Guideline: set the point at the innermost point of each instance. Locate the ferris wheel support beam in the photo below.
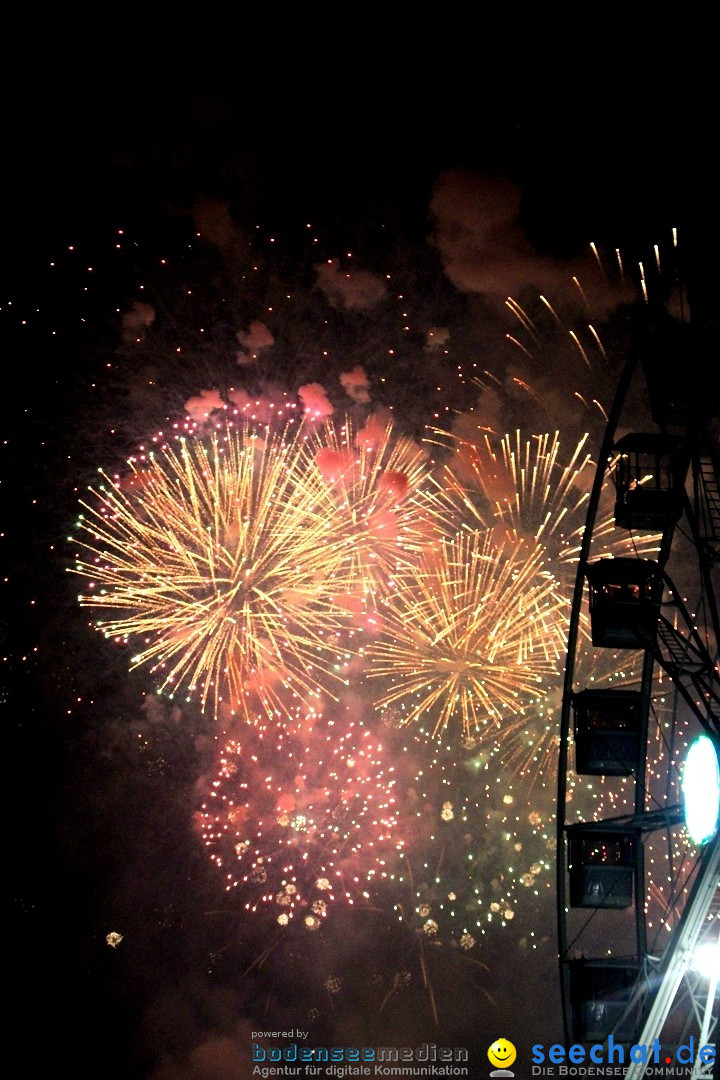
(707, 1023)
(679, 955)
(691, 669)
(573, 628)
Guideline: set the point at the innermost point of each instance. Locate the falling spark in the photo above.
(519, 345)
(584, 355)
(600, 345)
(580, 289)
(597, 259)
(643, 283)
(522, 315)
(552, 310)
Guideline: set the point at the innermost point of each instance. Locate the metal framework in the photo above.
(679, 659)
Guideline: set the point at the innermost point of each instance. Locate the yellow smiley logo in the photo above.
(502, 1053)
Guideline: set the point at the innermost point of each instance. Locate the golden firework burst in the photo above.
(220, 556)
(470, 635)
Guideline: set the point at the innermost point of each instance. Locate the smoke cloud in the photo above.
(356, 290)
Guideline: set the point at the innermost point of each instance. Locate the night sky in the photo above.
(147, 228)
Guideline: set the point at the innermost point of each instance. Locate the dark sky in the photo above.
(592, 164)
(103, 788)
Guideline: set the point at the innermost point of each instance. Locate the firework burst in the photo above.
(530, 493)
(478, 852)
(301, 815)
(530, 489)
(389, 507)
(219, 557)
(469, 636)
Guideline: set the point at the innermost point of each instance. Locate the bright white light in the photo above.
(706, 959)
(701, 790)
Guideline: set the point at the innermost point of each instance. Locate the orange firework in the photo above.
(470, 636)
(528, 488)
(220, 558)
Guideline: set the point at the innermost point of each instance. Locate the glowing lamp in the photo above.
(701, 790)
(706, 959)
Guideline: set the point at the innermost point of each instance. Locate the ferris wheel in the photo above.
(638, 842)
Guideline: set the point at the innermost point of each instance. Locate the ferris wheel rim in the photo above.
(641, 819)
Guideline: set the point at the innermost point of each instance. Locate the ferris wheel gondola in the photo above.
(637, 894)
